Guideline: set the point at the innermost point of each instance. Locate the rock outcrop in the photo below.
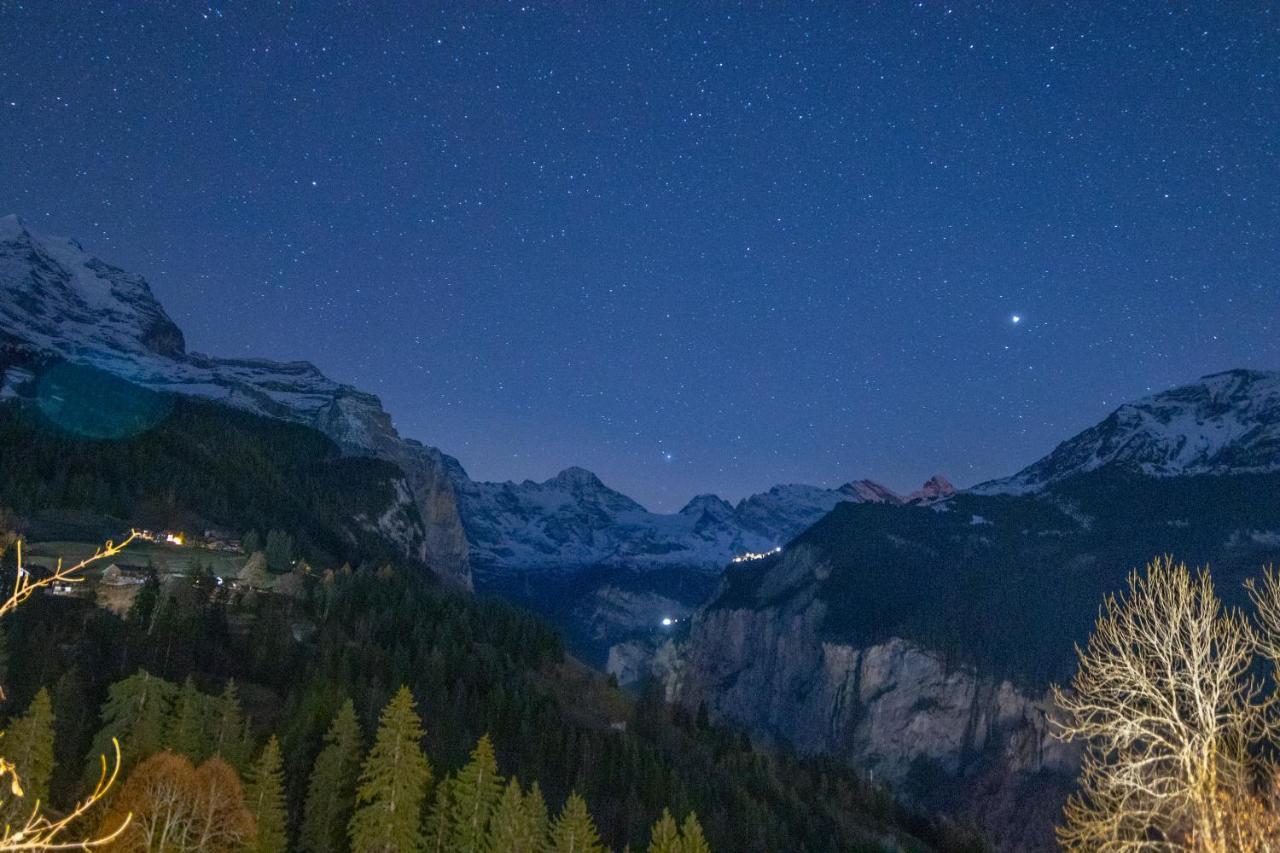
(940, 735)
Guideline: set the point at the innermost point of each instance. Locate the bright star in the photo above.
(1016, 319)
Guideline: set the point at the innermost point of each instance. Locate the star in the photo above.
(1015, 319)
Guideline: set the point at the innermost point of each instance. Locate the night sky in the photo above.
(698, 247)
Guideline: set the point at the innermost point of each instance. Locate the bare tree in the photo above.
(40, 830)
(1168, 715)
(179, 807)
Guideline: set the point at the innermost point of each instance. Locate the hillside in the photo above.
(94, 447)
(919, 642)
(101, 455)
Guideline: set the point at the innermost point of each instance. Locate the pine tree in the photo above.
(228, 740)
(186, 733)
(279, 551)
(574, 831)
(393, 783)
(144, 603)
(476, 792)
(134, 714)
(331, 789)
(29, 745)
(665, 837)
(535, 806)
(439, 826)
(265, 799)
(513, 829)
(691, 835)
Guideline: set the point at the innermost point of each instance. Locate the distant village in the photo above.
(212, 540)
(116, 585)
(756, 555)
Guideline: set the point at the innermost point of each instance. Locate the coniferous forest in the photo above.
(298, 719)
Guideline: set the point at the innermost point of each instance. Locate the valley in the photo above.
(910, 639)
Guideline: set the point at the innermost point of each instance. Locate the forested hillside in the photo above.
(99, 446)
(1009, 583)
(213, 686)
(477, 668)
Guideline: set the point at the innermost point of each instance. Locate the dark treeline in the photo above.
(200, 465)
(1010, 584)
(477, 667)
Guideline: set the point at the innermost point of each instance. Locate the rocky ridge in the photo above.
(57, 300)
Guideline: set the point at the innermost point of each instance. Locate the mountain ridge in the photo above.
(1224, 422)
(59, 300)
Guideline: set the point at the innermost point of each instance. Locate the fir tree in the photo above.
(332, 786)
(393, 783)
(186, 733)
(144, 603)
(512, 829)
(74, 718)
(476, 791)
(691, 835)
(439, 825)
(535, 806)
(29, 745)
(574, 831)
(265, 799)
(228, 740)
(134, 714)
(279, 551)
(665, 836)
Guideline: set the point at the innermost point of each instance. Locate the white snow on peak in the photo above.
(1224, 423)
(10, 226)
(57, 299)
(573, 521)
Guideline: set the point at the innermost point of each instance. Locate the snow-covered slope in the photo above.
(1226, 423)
(57, 300)
(573, 520)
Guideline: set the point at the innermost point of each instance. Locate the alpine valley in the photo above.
(911, 638)
(629, 567)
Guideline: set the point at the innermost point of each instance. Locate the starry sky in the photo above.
(694, 247)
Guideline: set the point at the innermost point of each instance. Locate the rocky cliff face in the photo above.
(834, 646)
(942, 735)
(58, 301)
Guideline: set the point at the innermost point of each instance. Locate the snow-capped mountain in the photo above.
(574, 520)
(57, 300)
(1226, 423)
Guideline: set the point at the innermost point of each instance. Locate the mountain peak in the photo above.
(57, 296)
(575, 477)
(869, 491)
(12, 226)
(1223, 423)
(936, 488)
(707, 503)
